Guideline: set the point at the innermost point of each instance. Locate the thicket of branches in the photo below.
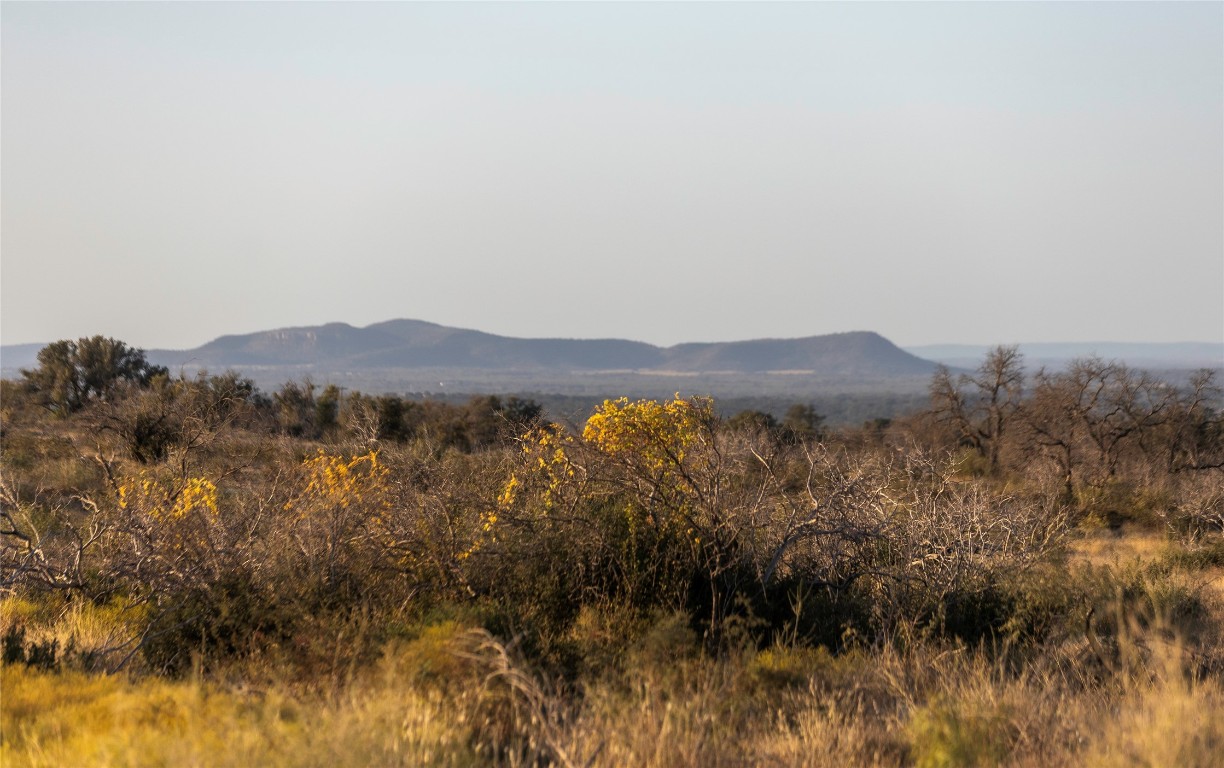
(1097, 429)
(239, 519)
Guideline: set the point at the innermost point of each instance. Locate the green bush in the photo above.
(229, 619)
(948, 733)
(1198, 557)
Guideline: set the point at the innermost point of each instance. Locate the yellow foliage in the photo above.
(658, 434)
(509, 493)
(644, 445)
(334, 481)
(646, 434)
(151, 495)
(198, 493)
(547, 467)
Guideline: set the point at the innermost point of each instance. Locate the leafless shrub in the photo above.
(910, 531)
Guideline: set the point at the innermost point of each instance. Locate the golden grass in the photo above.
(1213, 583)
(1105, 547)
(928, 706)
(73, 719)
(103, 634)
(1166, 717)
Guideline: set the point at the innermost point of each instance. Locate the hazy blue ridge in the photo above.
(414, 355)
(14, 356)
(416, 344)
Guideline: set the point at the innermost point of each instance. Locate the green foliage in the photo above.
(327, 409)
(38, 654)
(433, 659)
(802, 424)
(752, 421)
(71, 374)
(296, 409)
(1042, 602)
(231, 618)
(177, 415)
(1200, 556)
(956, 734)
(149, 424)
(393, 418)
(781, 667)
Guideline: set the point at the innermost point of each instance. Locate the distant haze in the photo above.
(1158, 356)
(936, 172)
(414, 355)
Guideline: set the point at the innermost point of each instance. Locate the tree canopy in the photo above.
(70, 374)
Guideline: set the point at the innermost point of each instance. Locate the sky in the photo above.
(666, 172)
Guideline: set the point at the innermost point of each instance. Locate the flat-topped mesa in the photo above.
(419, 344)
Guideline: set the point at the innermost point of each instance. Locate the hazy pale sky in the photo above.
(961, 172)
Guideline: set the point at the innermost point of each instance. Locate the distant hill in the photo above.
(414, 344)
(413, 355)
(851, 376)
(860, 353)
(15, 356)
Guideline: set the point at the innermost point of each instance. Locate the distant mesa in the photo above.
(418, 344)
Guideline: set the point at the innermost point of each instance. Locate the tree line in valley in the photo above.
(151, 409)
(1081, 423)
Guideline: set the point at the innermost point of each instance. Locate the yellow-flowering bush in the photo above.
(654, 452)
(547, 467)
(628, 499)
(340, 507)
(653, 434)
(645, 446)
(176, 521)
(166, 502)
(334, 481)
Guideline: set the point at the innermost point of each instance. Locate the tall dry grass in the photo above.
(458, 696)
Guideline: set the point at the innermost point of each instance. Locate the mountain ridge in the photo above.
(410, 344)
(406, 343)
